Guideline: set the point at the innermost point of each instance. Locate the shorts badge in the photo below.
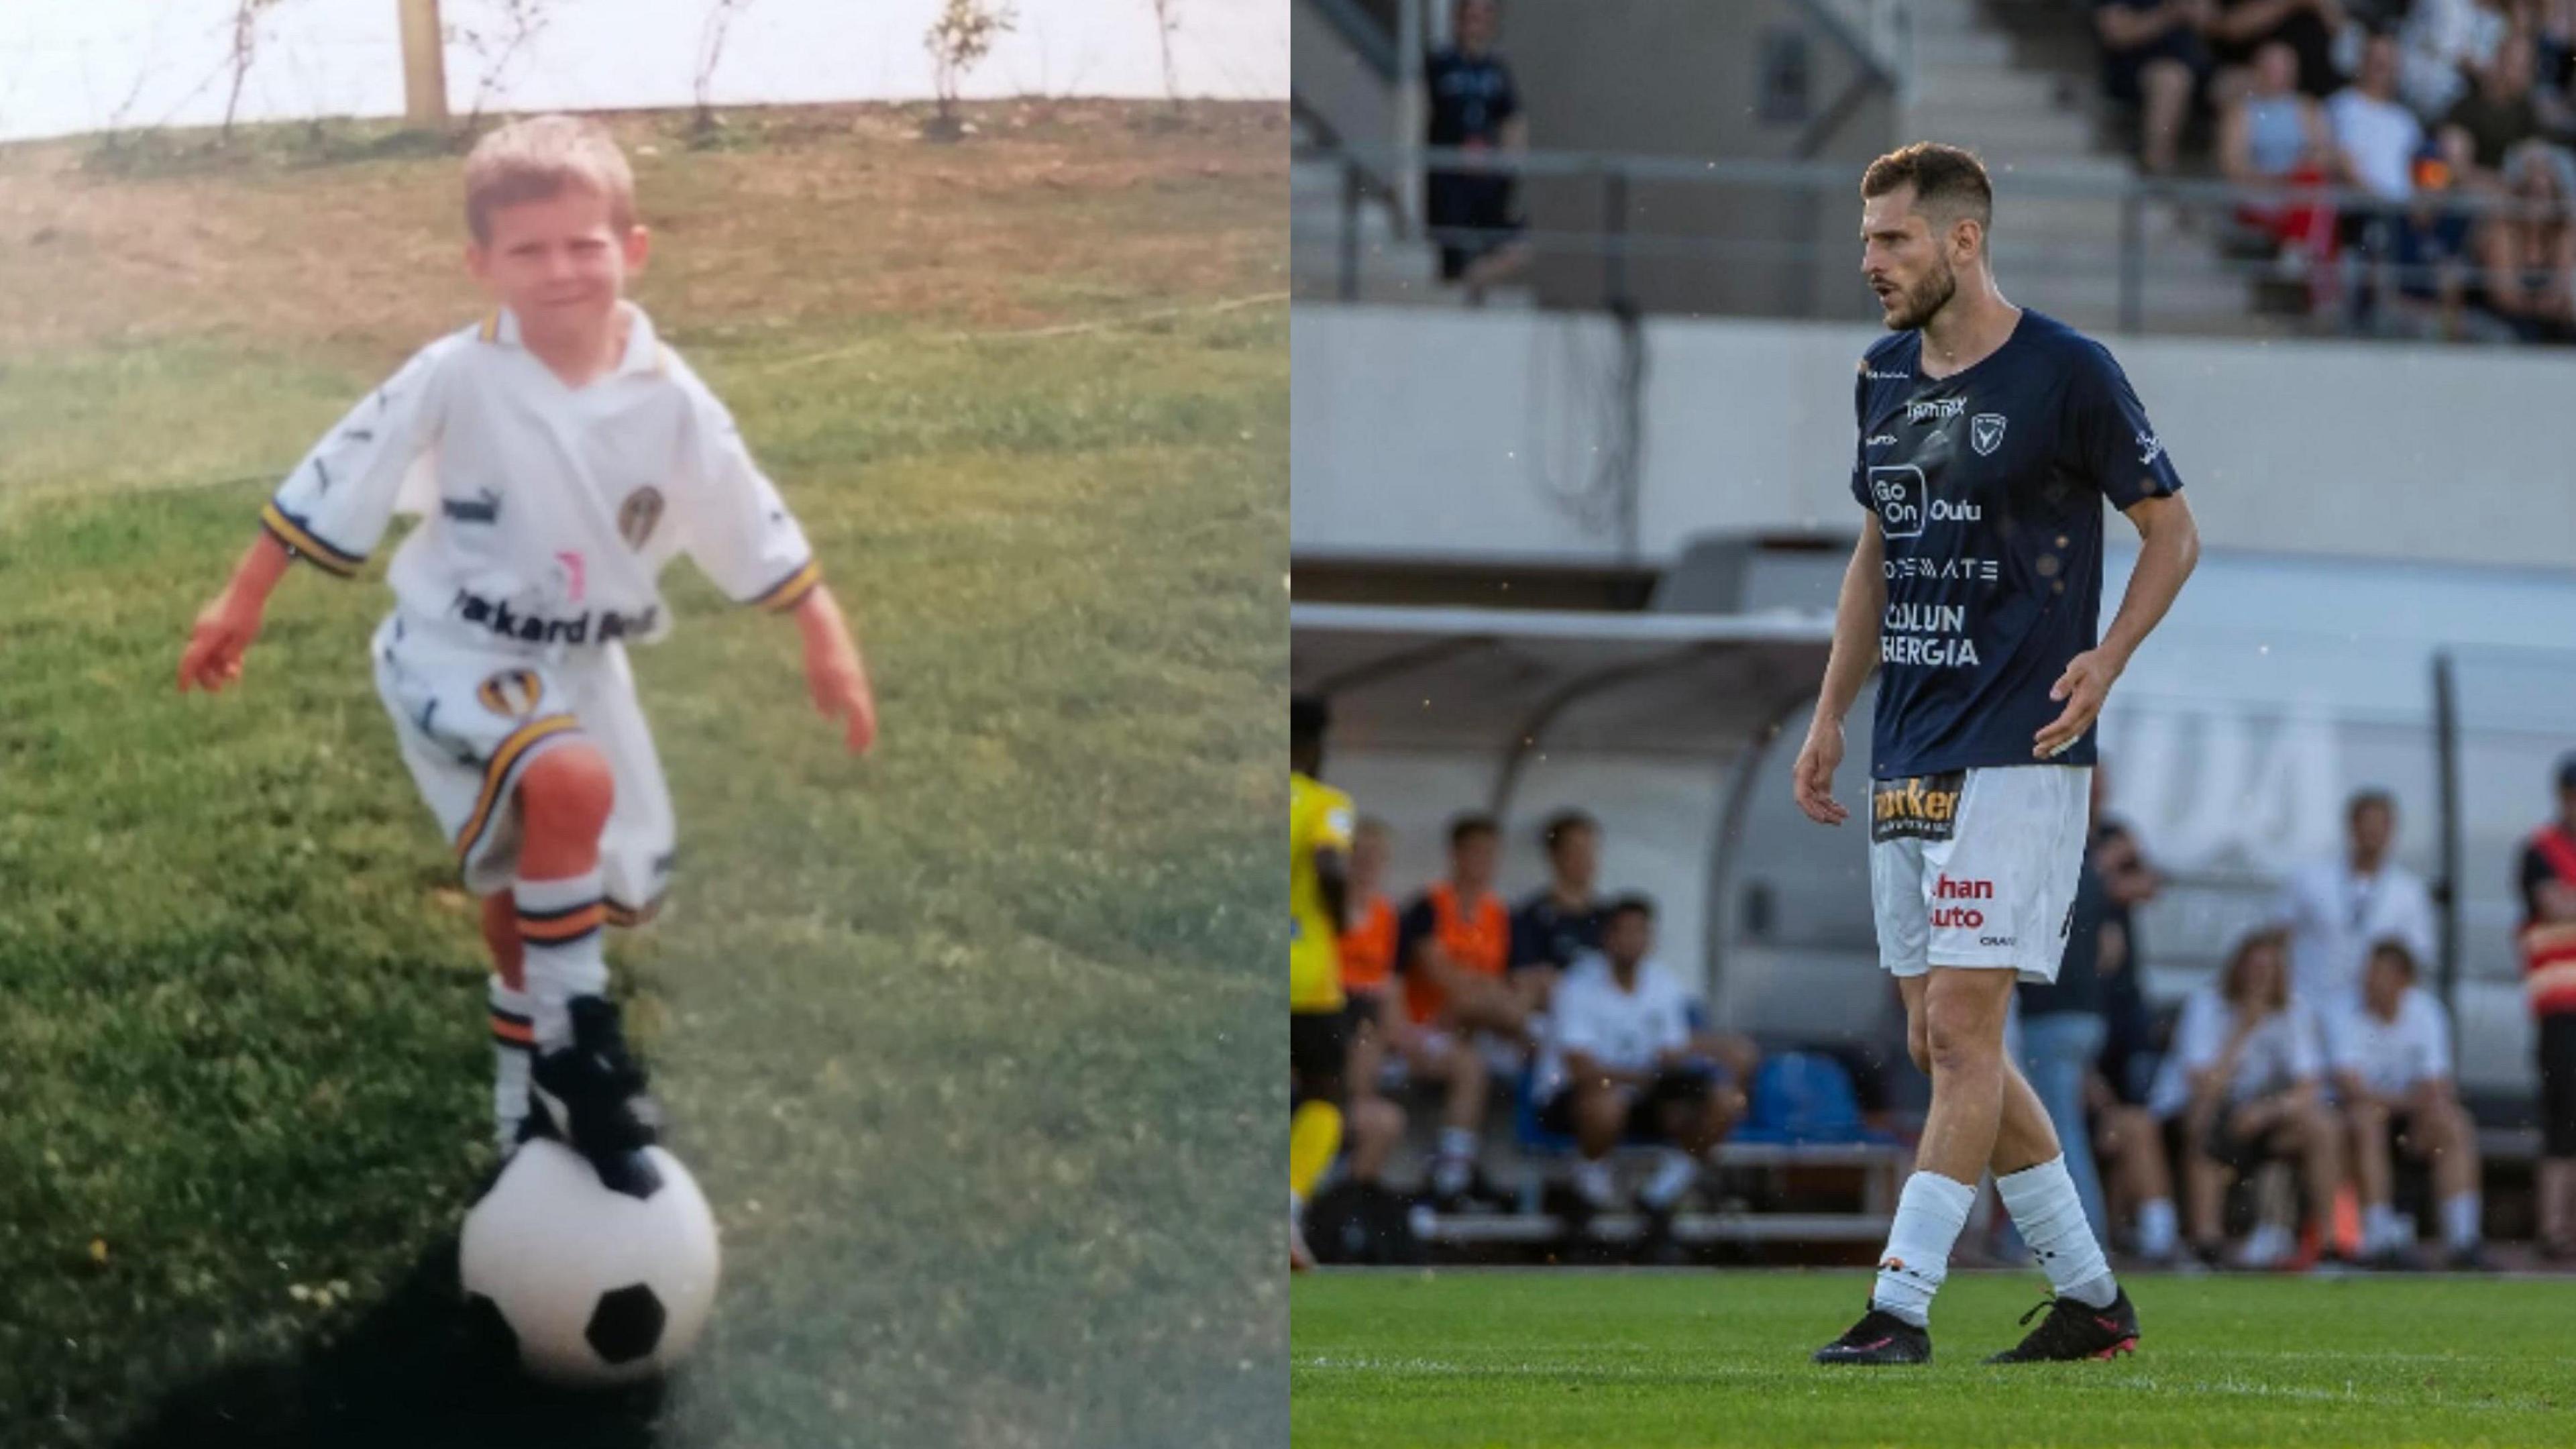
(512, 693)
(1918, 807)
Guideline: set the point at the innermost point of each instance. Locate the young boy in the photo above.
(559, 457)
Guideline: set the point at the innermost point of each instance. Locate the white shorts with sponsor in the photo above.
(470, 719)
(1978, 867)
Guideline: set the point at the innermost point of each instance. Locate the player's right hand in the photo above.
(216, 643)
(1814, 773)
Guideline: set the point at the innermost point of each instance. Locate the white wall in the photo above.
(81, 65)
(1418, 431)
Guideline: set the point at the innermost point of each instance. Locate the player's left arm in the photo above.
(834, 673)
(740, 532)
(2116, 444)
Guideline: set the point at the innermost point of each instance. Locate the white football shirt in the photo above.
(549, 511)
(2282, 1052)
(2334, 917)
(2390, 1057)
(1622, 1030)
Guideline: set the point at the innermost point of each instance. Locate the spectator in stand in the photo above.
(2549, 986)
(2241, 28)
(2378, 143)
(1474, 215)
(2334, 909)
(1452, 946)
(2444, 42)
(2249, 1063)
(2497, 114)
(1375, 1125)
(2527, 255)
(2392, 1076)
(2274, 137)
(2552, 24)
(1629, 1058)
(1558, 925)
(2153, 59)
(2128, 1142)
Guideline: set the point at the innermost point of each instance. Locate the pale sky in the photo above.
(73, 65)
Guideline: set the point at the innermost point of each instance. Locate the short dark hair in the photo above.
(1308, 718)
(2567, 772)
(1632, 904)
(1947, 180)
(1466, 827)
(1562, 824)
(2364, 799)
(2396, 950)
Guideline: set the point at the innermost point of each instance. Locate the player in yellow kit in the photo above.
(1319, 843)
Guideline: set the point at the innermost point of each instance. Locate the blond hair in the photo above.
(536, 159)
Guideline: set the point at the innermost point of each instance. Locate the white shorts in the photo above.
(471, 719)
(1978, 867)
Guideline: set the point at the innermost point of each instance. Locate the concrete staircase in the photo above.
(2022, 95)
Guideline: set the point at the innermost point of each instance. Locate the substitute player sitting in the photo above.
(2391, 1059)
(559, 457)
(1990, 437)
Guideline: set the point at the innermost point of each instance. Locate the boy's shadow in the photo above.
(419, 1371)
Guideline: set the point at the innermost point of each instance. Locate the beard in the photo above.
(1917, 304)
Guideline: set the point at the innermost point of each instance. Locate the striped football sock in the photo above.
(560, 923)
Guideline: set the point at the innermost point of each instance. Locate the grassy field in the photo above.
(1610, 1361)
(972, 1044)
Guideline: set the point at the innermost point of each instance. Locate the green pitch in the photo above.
(939, 1031)
(1679, 1361)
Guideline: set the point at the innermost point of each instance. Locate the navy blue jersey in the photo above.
(1988, 486)
(1471, 97)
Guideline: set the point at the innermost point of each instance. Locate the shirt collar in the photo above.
(643, 346)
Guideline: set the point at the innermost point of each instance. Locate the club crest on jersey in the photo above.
(1986, 433)
(1918, 807)
(638, 515)
(512, 693)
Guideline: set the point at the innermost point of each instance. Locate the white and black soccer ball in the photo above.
(594, 1286)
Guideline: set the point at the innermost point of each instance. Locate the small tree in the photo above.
(711, 40)
(960, 38)
(243, 54)
(1167, 22)
(495, 45)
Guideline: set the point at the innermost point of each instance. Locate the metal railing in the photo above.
(2360, 259)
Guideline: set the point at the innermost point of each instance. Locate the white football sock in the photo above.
(1455, 1166)
(1673, 1178)
(2461, 1214)
(2266, 1246)
(2044, 1206)
(512, 1037)
(560, 924)
(2157, 1229)
(1592, 1182)
(1929, 1214)
(2380, 1230)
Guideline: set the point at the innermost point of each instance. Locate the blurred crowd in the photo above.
(2453, 118)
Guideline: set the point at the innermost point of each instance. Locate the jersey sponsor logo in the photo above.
(512, 693)
(1933, 635)
(1978, 570)
(1944, 408)
(484, 508)
(501, 619)
(1957, 918)
(1897, 491)
(1882, 440)
(576, 577)
(1918, 807)
(1986, 433)
(1874, 375)
(1951, 888)
(637, 516)
(1997, 941)
(2149, 449)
